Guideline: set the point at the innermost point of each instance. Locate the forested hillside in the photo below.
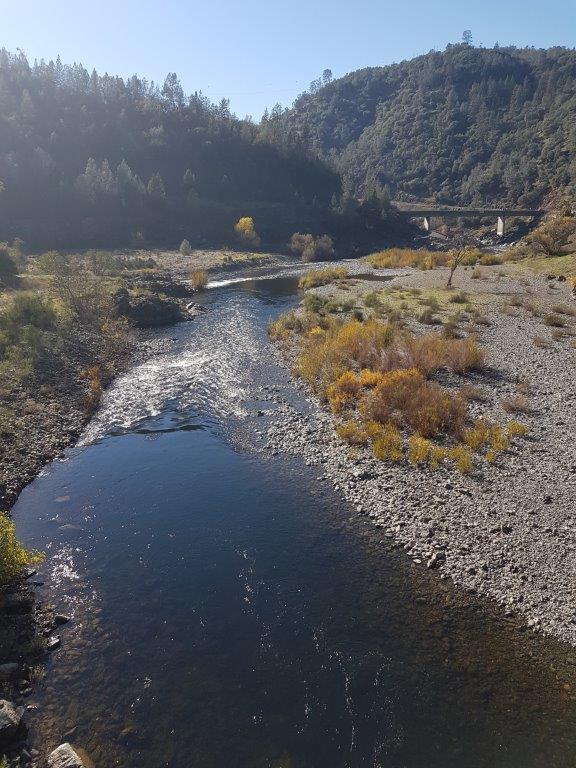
(467, 125)
(88, 159)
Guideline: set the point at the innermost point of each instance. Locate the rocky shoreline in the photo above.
(509, 531)
(29, 628)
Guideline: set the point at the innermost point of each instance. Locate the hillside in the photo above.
(88, 159)
(463, 126)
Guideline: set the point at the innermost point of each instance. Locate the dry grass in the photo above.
(318, 277)
(199, 280)
(555, 321)
(540, 341)
(398, 258)
(515, 404)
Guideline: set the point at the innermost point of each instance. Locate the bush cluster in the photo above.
(14, 557)
(378, 377)
(311, 248)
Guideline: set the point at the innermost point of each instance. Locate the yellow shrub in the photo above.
(499, 440)
(343, 392)
(370, 378)
(477, 436)
(352, 432)
(388, 446)
(343, 346)
(13, 556)
(462, 458)
(516, 429)
(418, 449)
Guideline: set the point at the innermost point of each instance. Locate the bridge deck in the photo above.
(476, 212)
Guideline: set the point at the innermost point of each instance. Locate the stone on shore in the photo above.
(10, 720)
(65, 756)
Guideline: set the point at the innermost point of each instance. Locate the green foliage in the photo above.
(14, 557)
(464, 126)
(8, 266)
(66, 137)
(185, 248)
(311, 248)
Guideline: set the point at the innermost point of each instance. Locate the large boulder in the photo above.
(10, 720)
(65, 756)
(148, 310)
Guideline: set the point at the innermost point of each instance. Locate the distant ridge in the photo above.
(466, 126)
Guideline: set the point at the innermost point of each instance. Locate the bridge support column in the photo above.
(501, 226)
(428, 223)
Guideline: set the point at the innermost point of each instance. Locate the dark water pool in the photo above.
(230, 610)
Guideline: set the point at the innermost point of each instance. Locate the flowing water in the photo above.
(228, 607)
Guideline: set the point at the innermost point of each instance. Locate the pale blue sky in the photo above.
(257, 52)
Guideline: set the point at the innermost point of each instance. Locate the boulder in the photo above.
(149, 310)
(10, 720)
(65, 756)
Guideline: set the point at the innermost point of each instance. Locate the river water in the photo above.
(230, 609)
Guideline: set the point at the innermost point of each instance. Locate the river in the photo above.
(230, 609)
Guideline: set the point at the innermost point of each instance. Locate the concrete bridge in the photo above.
(500, 214)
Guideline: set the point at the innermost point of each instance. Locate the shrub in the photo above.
(564, 309)
(490, 260)
(8, 266)
(14, 557)
(352, 432)
(322, 277)
(553, 236)
(427, 317)
(398, 258)
(388, 446)
(199, 280)
(472, 392)
(245, 232)
(404, 396)
(52, 263)
(343, 392)
(462, 458)
(515, 404)
(311, 248)
(459, 298)
(30, 309)
(343, 346)
(555, 321)
(540, 341)
(516, 429)
(464, 355)
(422, 451)
(185, 248)
(92, 377)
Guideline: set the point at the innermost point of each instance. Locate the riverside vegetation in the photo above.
(456, 442)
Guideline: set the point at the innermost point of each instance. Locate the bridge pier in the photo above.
(428, 223)
(501, 226)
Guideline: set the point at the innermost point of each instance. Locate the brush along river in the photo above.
(229, 608)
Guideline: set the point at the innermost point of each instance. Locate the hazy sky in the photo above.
(258, 52)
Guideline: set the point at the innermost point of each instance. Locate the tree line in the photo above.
(465, 126)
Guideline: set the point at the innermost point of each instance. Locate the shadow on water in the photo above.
(229, 609)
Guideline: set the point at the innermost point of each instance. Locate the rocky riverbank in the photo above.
(506, 530)
(48, 411)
